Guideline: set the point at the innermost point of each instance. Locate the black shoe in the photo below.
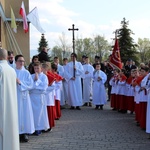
(90, 104)
(21, 137)
(131, 112)
(25, 138)
(101, 107)
(37, 132)
(72, 107)
(78, 108)
(85, 104)
(97, 107)
(48, 130)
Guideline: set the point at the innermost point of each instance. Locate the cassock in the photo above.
(74, 86)
(9, 133)
(50, 93)
(113, 84)
(143, 102)
(121, 92)
(130, 94)
(25, 112)
(39, 104)
(58, 88)
(87, 82)
(137, 97)
(99, 91)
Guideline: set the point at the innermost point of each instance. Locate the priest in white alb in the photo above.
(9, 133)
(74, 82)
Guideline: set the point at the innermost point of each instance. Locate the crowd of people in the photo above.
(131, 92)
(44, 88)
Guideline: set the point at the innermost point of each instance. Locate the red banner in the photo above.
(115, 57)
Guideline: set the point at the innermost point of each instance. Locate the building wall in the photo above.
(21, 38)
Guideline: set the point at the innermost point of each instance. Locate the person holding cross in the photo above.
(73, 73)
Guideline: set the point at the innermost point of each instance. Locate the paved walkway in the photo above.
(90, 129)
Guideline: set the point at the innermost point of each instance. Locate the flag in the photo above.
(115, 57)
(22, 12)
(13, 21)
(33, 17)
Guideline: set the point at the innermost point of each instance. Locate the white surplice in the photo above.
(39, 103)
(58, 89)
(9, 133)
(50, 93)
(87, 82)
(74, 86)
(25, 112)
(99, 91)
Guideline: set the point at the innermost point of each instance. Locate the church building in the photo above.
(18, 42)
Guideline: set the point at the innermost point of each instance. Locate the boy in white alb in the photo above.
(38, 100)
(50, 95)
(120, 92)
(113, 82)
(99, 92)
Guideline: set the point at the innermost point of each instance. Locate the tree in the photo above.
(92, 46)
(101, 46)
(42, 43)
(84, 47)
(63, 44)
(57, 51)
(126, 43)
(144, 49)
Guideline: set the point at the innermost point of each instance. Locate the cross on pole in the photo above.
(73, 39)
(73, 42)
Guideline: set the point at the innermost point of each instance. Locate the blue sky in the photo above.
(92, 17)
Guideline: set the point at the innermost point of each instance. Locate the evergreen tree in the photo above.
(42, 43)
(126, 43)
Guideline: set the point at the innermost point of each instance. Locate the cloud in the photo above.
(55, 19)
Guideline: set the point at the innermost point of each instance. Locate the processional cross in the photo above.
(73, 42)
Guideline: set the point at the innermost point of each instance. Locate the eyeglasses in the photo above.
(20, 61)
